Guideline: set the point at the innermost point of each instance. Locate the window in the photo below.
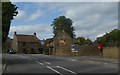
(32, 50)
(24, 50)
(32, 44)
(24, 44)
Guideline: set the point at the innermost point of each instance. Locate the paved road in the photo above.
(44, 64)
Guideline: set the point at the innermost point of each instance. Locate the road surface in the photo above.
(36, 64)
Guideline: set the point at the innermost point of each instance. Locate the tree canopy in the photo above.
(111, 38)
(63, 23)
(88, 41)
(9, 10)
(82, 41)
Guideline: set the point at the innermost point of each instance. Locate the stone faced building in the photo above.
(49, 45)
(48, 41)
(26, 43)
(62, 44)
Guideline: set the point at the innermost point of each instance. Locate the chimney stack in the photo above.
(15, 33)
(35, 34)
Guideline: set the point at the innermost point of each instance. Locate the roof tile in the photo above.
(27, 38)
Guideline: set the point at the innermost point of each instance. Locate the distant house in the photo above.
(26, 43)
(49, 45)
(62, 43)
(48, 42)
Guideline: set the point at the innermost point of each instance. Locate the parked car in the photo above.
(11, 51)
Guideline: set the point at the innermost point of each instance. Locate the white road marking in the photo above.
(47, 62)
(66, 70)
(73, 60)
(54, 70)
(39, 62)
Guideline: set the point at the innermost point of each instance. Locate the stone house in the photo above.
(49, 45)
(62, 44)
(48, 41)
(26, 43)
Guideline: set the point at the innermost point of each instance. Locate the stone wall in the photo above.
(111, 52)
(63, 49)
(28, 47)
(83, 50)
(86, 50)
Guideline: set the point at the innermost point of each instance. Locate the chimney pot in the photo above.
(35, 34)
(15, 32)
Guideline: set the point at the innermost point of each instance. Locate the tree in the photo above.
(9, 10)
(88, 41)
(80, 40)
(63, 23)
(83, 41)
(111, 38)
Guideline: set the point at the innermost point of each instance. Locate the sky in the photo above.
(90, 19)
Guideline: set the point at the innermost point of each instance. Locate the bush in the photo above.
(46, 50)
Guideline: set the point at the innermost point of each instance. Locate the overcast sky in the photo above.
(90, 19)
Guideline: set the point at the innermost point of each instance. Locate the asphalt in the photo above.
(99, 59)
(49, 64)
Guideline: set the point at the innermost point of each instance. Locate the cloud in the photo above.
(100, 35)
(90, 19)
(27, 13)
(21, 15)
(93, 19)
(35, 15)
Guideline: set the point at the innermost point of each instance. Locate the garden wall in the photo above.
(111, 52)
